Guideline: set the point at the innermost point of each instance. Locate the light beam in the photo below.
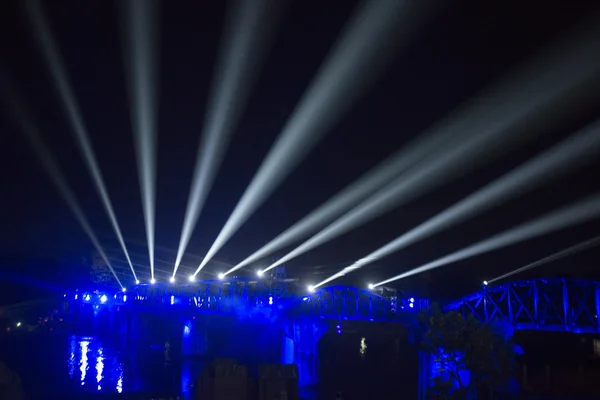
(561, 159)
(579, 212)
(578, 248)
(247, 38)
(24, 120)
(346, 74)
(60, 79)
(498, 120)
(141, 26)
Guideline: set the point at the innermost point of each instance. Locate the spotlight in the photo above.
(260, 272)
(172, 280)
(371, 286)
(85, 297)
(192, 278)
(153, 281)
(485, 283)
(311, 288)
(124, 290)
(221, 276)
(137, 281)
(412, 300)
(103, 299)
(18, 324)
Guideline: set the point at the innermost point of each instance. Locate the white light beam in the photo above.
(247, 37)
(559, 160)
(578, 248)
(60, 78)
(24, 120)
(346, 74)
(499, 117)
(580, 212)
(141, 25)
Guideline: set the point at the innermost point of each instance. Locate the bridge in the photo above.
(235, 297)
(565, 305)
(538, 304)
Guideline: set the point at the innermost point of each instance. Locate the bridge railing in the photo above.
(567, 305)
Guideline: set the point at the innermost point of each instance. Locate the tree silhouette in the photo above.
(471, 357)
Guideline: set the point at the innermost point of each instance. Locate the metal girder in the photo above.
(560, 305)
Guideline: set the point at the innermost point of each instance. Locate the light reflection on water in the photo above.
(84, 360)
(109, 369)
(98, 364)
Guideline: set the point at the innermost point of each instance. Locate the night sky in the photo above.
(461, 49)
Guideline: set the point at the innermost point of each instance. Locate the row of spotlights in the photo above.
(192, 278)
(221, 276)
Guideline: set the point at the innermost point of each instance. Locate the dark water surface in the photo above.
(63, 365)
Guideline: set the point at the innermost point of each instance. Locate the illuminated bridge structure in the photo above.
(235, 297)
(201, 311)
(196, 313)
(556, 305)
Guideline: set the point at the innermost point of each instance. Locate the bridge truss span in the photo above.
(351, 303)
(559, 305)
(246, 297)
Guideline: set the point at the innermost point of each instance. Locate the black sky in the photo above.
(466, 46)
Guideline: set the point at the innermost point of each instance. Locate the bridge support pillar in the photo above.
(301, 347)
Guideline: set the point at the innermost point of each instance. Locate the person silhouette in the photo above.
(338, 396)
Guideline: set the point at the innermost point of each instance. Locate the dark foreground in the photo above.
(60, 365)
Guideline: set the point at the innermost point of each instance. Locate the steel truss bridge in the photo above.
(559, 305)
(238, 296)
(539, 304)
